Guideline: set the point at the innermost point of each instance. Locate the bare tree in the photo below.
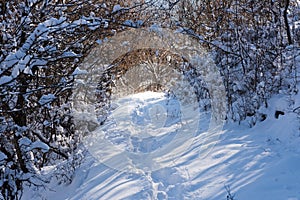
(42, 43)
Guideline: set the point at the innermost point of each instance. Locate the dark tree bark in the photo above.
(286, 21)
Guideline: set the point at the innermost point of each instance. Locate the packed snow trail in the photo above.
(258, 163)
(148, 131)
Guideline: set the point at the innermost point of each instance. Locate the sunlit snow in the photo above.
(258, 163)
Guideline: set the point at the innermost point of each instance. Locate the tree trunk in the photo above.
(286, 21)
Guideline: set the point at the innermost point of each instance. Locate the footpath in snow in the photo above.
(139, 154)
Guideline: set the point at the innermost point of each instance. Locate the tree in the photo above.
(248, 40)
(42, 43)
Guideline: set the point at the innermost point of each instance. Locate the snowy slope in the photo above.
(257, 163)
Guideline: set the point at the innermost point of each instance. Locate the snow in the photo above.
(26, 142)
(19, 60)
(39, 145)
(46, 98)
(262, 162)
(155, 28)
(69, 54)
(131, 23)
(2, 156)
(5, 79)
(78, 71)
(117, 8)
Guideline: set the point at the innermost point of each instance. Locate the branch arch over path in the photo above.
(177, 60)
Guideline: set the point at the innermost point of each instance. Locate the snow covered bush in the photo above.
(255, 45)
(250, 42)
(42, 42)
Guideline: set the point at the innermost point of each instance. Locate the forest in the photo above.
(255, 46)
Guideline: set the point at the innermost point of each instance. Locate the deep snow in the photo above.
(262, 162)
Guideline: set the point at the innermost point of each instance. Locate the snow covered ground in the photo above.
(262, 162)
